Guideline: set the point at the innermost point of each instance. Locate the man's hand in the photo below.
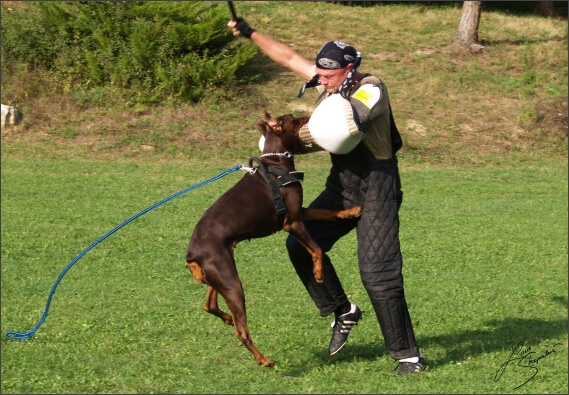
(240, 27)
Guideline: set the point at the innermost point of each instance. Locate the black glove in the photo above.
(244, 28)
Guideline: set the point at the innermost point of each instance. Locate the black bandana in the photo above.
(335, 55)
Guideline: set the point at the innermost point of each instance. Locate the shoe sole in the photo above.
(339, 348)
(342, 346)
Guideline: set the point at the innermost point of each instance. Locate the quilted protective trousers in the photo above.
(358, 178)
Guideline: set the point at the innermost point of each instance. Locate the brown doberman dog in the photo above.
(264, 201)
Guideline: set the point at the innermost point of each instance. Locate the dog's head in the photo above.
(282, 132)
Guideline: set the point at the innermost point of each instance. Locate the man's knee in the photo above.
(383, 284)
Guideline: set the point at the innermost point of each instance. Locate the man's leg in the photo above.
(380, 262)
(330, 295)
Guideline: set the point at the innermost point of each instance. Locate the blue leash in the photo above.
(12, 335)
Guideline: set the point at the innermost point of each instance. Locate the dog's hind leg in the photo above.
(221, 276)
(212, 307)
(235, 299)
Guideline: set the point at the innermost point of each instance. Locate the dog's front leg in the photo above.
(300, 233)
(317, 214)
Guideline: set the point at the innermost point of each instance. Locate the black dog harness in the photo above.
(284, 178)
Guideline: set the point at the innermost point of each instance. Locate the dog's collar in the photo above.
(286, 154)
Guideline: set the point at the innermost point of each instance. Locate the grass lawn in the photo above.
(485, 269)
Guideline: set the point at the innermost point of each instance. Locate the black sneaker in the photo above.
(342, 326)
(407, 368)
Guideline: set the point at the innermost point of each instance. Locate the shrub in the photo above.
(148, 51)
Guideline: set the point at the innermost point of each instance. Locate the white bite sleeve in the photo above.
(332, 126)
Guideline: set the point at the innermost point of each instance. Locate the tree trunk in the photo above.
(467, 32)
(546, 8)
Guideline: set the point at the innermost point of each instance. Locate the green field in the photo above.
(485, 267)
(483, 223)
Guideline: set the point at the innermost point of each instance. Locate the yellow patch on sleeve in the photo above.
(368, 94)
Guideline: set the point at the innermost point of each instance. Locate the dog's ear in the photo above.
(262, 125)
(273, 122)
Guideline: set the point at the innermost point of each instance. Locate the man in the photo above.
(364, 172)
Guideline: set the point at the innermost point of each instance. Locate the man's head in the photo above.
(336, 65)
(335, 62)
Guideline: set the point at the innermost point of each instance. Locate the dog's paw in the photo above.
(269, 363)
(353, 212)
